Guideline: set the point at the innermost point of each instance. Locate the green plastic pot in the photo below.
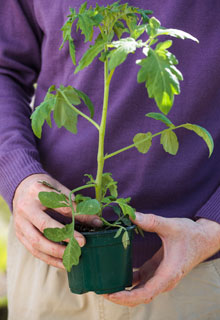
(105, 266)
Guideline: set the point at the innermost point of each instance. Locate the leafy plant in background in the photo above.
(122, 30)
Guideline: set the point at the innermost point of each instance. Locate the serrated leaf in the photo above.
(63, 115)
(125, 208)
(53, 200)
(42, 113)
(90, 54)
(123, 48)
(203, 133)
(59, 234)
(125, 239)
(89, 207)
(79, 198)
(87, 101)
(161, 77)
(85, 23)
(143, 142)
(159, 116)
(91, 179)
(154, 29)
(67, 27)
(119, 29)
(138, 31)
(83, 7)
(109, 183)
(71, 254)
(118, 233)
(170, 142)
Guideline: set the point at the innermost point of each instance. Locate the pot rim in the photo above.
(91, 234)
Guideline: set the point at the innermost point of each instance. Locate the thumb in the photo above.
(90, 220)
(153, 223)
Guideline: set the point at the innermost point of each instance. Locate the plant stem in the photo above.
(82, 187)
(134, 145)
(78, 111)
(100, 157)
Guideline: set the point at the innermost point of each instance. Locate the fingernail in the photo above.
(97, 223)
(81, 241)
(139, 217)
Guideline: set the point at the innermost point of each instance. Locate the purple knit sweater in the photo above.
(186, 185)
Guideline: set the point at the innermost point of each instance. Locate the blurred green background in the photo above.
(4, 222)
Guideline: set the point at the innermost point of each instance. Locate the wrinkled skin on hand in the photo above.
(30, 220)
(185, 244)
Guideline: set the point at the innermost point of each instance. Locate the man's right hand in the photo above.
(30, 220)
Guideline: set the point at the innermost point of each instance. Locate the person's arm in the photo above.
(185, 244)
(20, 63)
(20, 167)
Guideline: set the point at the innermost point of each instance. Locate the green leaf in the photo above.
(91, 179)
(203, 133)
(79, 198)
(90, 54)
(86, 100)
(161, 77)
(72, 50)
(154, 29)
(47, 184)
(83, 7)
(88, 207)
(67, 27)
(123, 48)
(125, 239)
(126, 209)
(63, 115)
(119, 29)
(145, 14)
(138, 31)
(160, 117)
(108, 183)
(143, 141)
(43, 112)
(59, 234)
(170, 142)
(85, 23)
(53, 200)
(71, 254)
(118, 233)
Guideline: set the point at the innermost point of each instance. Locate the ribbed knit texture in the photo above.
(186, 185)
(20, 164)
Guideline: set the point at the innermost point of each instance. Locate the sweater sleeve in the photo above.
(20, 61)
(211, 209)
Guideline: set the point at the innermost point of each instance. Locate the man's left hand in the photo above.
(185, 244)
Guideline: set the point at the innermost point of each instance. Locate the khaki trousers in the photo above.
(37, 291)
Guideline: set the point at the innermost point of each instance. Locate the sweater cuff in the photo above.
(14, 167)
(211, 209)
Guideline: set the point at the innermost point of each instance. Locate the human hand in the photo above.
(185, 244)
(30, 220)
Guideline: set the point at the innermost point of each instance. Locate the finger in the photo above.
(39, 243)
(55, 262)
(42, 221)
(148, 269)
(90, 220)
(136, 278)
(153, 223)
(129, 298)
